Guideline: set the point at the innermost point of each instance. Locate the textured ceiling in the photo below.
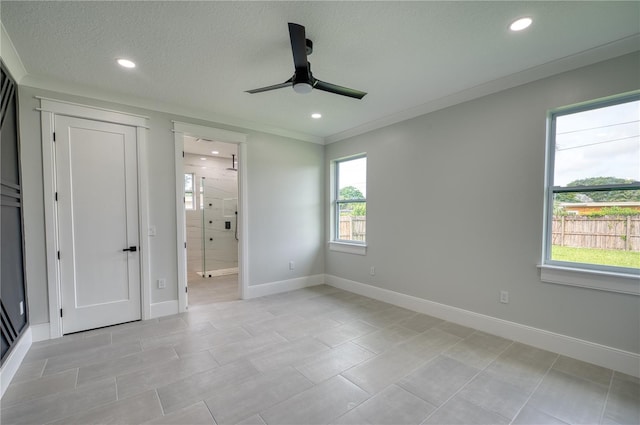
(204, 55)
(207, 147)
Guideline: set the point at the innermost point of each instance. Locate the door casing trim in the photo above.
(49, 108)
(240, 139)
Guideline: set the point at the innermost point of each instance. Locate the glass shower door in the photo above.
(219, 205)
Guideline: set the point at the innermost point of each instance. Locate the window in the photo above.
(202, 193)
(593, 187)
(350, 211)
(189, 202)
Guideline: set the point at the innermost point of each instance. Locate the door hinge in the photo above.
(186, 289)
(54, 136)
(185, 244)
(58, 255)
(183, 154)
(60, 312)
(56, 196)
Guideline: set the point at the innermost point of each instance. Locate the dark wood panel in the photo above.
(13, 294)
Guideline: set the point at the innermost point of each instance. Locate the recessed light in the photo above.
(215, 152)
(203, 159)
(316, 116)
(520, 24)
(125, 63)
(204, 168)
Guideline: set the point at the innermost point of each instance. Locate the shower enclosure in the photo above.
(219, 209)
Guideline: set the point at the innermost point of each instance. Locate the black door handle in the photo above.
(131, 248)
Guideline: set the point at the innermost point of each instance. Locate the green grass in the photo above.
(609, 257)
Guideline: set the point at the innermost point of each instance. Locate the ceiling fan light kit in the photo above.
(303, 80)
(302, 88)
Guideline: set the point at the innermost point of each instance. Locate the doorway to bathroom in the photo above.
(209, 136)
(211, 220)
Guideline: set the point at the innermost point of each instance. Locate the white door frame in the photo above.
(49, 108)
(181, 129)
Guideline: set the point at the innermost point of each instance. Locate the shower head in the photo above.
(233, 163)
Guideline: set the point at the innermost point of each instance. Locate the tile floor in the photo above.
(312, 356)
(209, 290)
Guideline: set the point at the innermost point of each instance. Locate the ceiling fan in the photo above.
(303, 80)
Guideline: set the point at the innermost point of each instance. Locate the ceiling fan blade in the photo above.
(287, 83)
(298, 45)
(333, 88)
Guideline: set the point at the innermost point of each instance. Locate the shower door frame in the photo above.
(181, 129)
(202, 195)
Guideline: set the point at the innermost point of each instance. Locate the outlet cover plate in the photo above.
(504, 297)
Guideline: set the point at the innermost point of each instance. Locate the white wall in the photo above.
(469, 179)
(272, 194)
(286, 202)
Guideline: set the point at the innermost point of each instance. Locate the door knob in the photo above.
(131, 248)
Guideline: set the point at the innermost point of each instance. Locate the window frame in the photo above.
(201, 193)
(192, 192)
(595, 276)
(337, 244)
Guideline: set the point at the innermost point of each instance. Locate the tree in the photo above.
(359, 209)
(350, 192)
(615, 210)
(356, 208)
(607, 196)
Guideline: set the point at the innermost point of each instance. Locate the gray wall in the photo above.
(469, 179)
(286, 202)
(285, 178)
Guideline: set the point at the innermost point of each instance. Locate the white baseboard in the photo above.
(14, 360)
(602, 355)
(166, 308)
(284, 286)
(41, 332)
(219, 272)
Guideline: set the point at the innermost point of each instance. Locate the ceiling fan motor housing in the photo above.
(303, 75)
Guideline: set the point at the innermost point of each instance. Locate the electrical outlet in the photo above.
(162, 283)
(21, 308)
(292, 265)
(504, 297)
(372, 271)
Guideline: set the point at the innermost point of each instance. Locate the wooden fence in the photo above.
(353, 228)
(609, 232)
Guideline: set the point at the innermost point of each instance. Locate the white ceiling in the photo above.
(202, 56)
(206, 147)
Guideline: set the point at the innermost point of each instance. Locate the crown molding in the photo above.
(45, 83)
(10, 56)
(588, 57)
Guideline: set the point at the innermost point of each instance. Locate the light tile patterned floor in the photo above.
(207, 290)
(312, 356)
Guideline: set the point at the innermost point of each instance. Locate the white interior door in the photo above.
(97, 190)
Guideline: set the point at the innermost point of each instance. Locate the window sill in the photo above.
(349, 248)
(595, 279)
